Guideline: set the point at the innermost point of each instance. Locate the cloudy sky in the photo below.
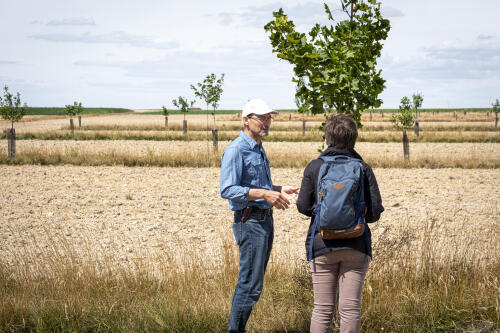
(142, 54)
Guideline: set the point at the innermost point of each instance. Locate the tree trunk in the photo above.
(496, 120)
(416, 129)
(289, 116)
(382, 112)
(456, 117)
(215, 139)
(11, 142)
(184, 126)
(370, 116)
(79, 121)
(71, 126)
(215, 126)
(303, 127)
(166, 122)
(406, 146)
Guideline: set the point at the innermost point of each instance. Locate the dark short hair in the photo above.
(341, 131)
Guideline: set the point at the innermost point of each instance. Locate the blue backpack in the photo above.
(340, 203)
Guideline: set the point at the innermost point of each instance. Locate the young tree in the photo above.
(164, 112)
(183, 105)
(73, 110)
(417, 98)
(496, 109)
(210, 91)
(403, 121)
(11, 109)
(337, 62)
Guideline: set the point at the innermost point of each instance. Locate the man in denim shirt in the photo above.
(246, 182)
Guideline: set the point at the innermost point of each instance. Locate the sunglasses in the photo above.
(262, 119)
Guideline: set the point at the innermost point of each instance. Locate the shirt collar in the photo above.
(251, 142)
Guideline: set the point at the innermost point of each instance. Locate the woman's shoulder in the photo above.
(314, 165)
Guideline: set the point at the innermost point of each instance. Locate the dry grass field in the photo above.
(90, 244)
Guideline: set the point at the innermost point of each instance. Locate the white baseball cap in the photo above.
(256, 106)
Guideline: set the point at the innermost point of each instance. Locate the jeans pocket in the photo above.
(237, 232)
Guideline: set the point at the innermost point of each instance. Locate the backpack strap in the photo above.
(317, 209)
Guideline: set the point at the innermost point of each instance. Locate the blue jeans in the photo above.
(255, 240)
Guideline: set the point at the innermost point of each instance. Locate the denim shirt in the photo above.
(244, 166)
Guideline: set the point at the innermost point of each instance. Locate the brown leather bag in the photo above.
(351, 232)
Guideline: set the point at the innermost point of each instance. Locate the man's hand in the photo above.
(291, 193)
(276, 199)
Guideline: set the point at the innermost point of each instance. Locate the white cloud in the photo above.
(485, 37)
(388, 12)
(72, 21)
(115, 37)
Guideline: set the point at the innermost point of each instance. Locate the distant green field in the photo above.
(171, 111)
(437, 110)
(428, 110)
(50, 111)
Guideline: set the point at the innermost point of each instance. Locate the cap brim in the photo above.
(261, 112)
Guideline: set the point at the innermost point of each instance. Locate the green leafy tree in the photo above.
(337, 63)
(183, 104)
(404, 121)
(73, 110)
(210, 91)
(11, 108)
(496, 108)
(418, 99)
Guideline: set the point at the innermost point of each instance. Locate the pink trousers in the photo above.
(342, 270)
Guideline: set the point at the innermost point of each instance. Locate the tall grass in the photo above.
(177, 155)
(419, 281)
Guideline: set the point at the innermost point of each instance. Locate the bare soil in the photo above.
(134, 215)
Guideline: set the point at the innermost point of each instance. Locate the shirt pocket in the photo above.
(255, 167)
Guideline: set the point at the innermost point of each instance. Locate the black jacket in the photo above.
(307, 200)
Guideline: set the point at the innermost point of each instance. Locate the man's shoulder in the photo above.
(236, 143)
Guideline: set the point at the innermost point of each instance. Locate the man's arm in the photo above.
(230, 177)
(274, 198)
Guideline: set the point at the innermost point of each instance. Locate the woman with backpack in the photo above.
(339, 259)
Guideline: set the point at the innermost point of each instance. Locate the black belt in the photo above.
(252, 209)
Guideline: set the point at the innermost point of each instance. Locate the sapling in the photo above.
(404, 121)
(164, 112)
(210, 91)
(495, 109)
(418, 98)
(71, 111)
(183, 105)
(11, 109)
